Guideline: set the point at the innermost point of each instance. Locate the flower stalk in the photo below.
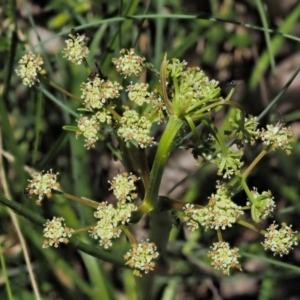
(162, 154)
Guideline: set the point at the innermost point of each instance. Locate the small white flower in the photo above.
(75, 50)
(29, 68)
(41, 185)
(128, 63)
(123, 186)
(280, 241)
(56, 232)
(135, 128)
(141, 256)
(224, 258)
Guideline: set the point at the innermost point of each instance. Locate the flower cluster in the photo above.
(89, 127)
(29, 68)
(135, 128)
(140, 257)
(96, 91)
(129, 63)
(138, 93)
(280, 241)
(41, 185)
(158, 110)
(56, 232)
(263, 204)
(228, 163)
(195, 91)
(224, 258)
(111, 218)
(175, 67)
(244, 131)
(220, 212)
(108, 227)
(195, 85)
(123, 186)
(278, 137)
(75, 50)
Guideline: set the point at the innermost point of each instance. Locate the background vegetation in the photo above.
(255, 43)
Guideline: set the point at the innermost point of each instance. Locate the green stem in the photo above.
(86, 65)
(219, 234)
(162, 154)
(254, 163)
(247, 191)
(83, 200)
(251, 226)
(59, 88)
(131, 238)
(4, 275)
(83, 229)
(202, 112)
(114, 113)
(213, 129)
(247, 171)
(168, 203)
(193, 128)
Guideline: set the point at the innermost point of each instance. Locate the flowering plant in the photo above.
(182, 98)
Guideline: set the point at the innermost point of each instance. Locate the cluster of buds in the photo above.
(138, 93)
(176, 68)
(198, 88)
(194, 93)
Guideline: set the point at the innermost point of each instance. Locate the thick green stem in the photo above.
(160, 220)
(162, 154)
